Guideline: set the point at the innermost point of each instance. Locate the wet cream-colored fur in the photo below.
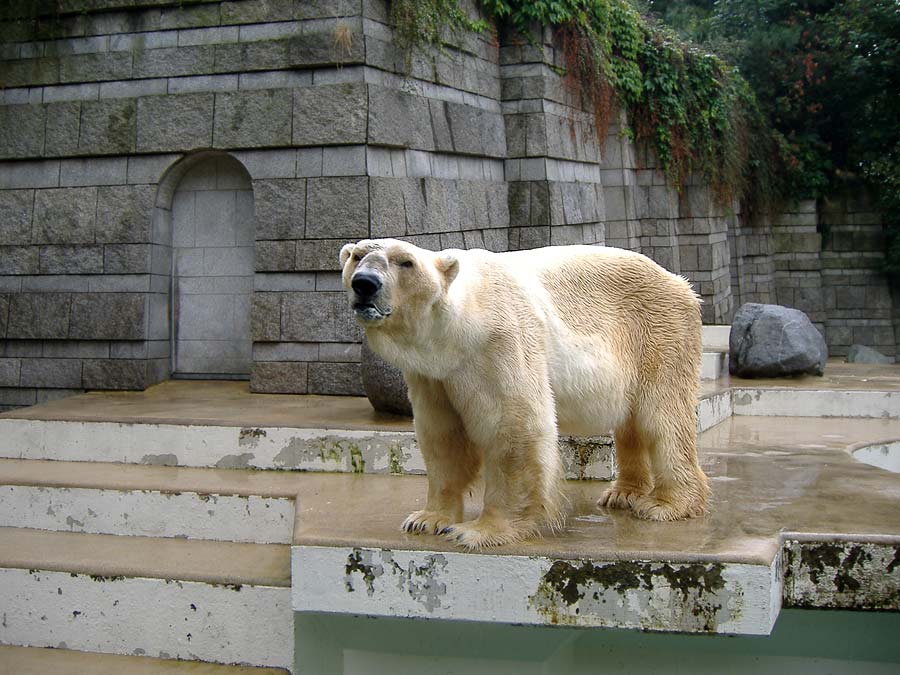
(504, 351)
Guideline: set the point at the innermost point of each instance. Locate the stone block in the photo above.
(75, 349)
(274, 377)
(80, 259)
(175, 123)
(98, 67)
(62, 373)
(285, 351)
(236, 12)
(16, 397)
(124, 213)
(319, 254)
(21, 131)
(4, 315)
(108, 316)
(265, 317)
(388, 214)
(476, 131)
(108, 127)
(348, 160)
(29, 174)
(93, 171)
(65, 215)
(63, 128)
(339, 352)
(174, 61)
(280, 208)
(252, 119)
(337, 207)
(9, 372)
(16, 210)
(335, 379)
(330, 114)
(440, 125)
(321, 49)
(275, 256)
(318, 317)
(126, 259)
(114, 374)
(399, 119)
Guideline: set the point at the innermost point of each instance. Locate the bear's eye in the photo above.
(406, 263)
(357, 257)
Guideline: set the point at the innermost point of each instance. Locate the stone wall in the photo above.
(107, 107)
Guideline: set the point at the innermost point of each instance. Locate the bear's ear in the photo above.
(448, 265)
(345, 253)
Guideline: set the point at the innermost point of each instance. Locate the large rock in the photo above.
(774, 341)
(863, 354)
(383, 384)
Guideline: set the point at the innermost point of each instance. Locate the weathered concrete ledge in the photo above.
(780, 532)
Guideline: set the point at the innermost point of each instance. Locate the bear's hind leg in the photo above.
(633, 479)
(680, 487)
(451, 460)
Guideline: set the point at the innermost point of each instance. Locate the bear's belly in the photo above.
(589, 385)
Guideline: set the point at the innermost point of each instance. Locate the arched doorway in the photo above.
(213, 231)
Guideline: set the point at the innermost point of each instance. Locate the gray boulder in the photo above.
(863, 354)
(383, 383)
(774, 341)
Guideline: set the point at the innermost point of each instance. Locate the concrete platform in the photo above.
(794, 519)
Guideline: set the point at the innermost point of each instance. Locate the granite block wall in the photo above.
(111, 109)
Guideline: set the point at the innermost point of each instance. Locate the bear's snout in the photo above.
(365, 284)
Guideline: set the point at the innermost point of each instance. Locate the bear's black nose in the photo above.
(365, 284)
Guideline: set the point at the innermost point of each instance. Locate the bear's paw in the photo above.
(620, 497)
(652, 508)
(426, 522)
(475, 535)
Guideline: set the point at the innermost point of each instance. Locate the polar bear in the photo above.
(502, 352)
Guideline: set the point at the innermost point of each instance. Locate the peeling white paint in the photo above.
(144, 513)
(713, 409)
(175, 619)
(513, 589)
(235, 447)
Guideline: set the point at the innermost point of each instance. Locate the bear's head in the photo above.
(391, 283)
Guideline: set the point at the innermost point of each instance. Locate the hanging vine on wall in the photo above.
(694, 110)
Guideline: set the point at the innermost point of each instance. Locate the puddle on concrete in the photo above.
(883, 455)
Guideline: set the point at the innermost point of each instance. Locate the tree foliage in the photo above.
(827, 75)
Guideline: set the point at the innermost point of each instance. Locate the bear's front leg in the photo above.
(522, 469)
(451, 461)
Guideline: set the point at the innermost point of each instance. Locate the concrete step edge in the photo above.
(113, 556)
(15, 660)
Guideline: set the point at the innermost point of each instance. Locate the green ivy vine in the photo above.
(693, 109)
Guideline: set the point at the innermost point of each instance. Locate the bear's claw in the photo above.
(426, 522)
(620, 498)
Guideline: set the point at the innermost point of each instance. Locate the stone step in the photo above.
(219, 602)
(44, 661)
(336, 449)
(714, 365)
(715, 338)
(133, 500)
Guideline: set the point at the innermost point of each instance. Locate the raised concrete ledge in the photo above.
(815, 403)
(779, 531)
(101, 555)
(713, 597)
